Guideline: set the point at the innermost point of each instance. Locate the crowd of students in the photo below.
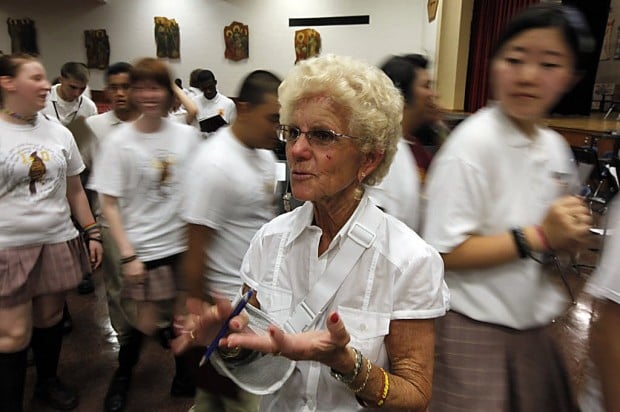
(183, 185)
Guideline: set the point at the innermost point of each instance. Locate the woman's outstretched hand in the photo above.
(328, 346)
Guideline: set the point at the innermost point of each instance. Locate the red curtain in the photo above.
(488, 20)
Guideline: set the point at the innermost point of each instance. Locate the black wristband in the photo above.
(521, 242)
(96, 239)
(128, 259)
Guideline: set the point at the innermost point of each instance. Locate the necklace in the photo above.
(31, 120)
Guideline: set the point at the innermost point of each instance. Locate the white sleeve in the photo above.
(605, 283)
(420, 291)
(454, 209)
(75, 165)
(108, 174)
(206, 194)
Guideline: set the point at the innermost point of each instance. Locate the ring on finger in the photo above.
(192, 335)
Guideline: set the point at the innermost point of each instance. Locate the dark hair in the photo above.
(149, 68)
(402, 71)
(178, 82)
(76, 70)
(205, 76)
(568, 20)
(116, 68)
(256, 85)
(193, 77)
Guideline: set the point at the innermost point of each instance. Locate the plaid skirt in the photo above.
(487, 368)
(162, 281)
(30, 271)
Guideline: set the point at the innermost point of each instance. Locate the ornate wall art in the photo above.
(97, 49)
(167, 38)
(307, 44)
(236, 37)
(23, 36)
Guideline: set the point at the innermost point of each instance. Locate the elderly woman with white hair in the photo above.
(351, 292)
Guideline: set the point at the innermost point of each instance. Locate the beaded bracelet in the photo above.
(90, 227)
(349, 378)
(543, 237)
(363, 385)
(386, 389)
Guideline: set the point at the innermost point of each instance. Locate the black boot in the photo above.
(12, 379)
(67, 320)
(46, 344)
(182, 384)
(128, 355)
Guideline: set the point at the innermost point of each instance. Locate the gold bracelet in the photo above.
(386, 388)
(368, 368)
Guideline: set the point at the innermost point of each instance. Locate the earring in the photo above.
(358, 193)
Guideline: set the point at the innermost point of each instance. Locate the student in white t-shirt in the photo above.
(138, 175)
(499, 195)
(229, 195)
(214, 109)
(67, 101)
(40, 248)
(601, 389)
(68, 104)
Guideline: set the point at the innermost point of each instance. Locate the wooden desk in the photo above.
(589, 131)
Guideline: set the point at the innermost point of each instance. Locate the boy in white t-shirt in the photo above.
(228, 196)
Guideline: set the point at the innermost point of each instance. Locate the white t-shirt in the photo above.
(488, 178)
(399, 192)
(219, 105)
(33, 205)
(231, 189)
(398, 277)
(604, 284)
(66, 112)
(145, 171)
(101, 125)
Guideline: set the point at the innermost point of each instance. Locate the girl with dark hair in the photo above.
(40, 249)
(499, 198)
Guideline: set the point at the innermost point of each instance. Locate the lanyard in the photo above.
(74, 113)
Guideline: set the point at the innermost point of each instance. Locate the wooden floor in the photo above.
(89, 358)
(89, 354)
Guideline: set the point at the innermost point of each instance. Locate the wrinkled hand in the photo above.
(328, 346)
(134, 271)
(567, 224)
(200, 326)
(95, 254)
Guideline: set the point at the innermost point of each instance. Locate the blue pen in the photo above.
(224, 330)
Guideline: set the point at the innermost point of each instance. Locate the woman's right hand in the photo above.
(134, 271)
(567, 224)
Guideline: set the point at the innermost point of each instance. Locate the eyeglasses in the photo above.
(290, 134)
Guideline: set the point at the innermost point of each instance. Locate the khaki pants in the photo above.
(208, 402)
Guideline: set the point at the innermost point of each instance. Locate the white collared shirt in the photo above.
(66, 112)
(487, 178)
(398, 277)
(398, 194)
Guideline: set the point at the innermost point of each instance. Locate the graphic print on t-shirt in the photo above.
(161, 176)
(33, 171)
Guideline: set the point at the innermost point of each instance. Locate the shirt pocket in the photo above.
(275, 301)
(367, 330)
